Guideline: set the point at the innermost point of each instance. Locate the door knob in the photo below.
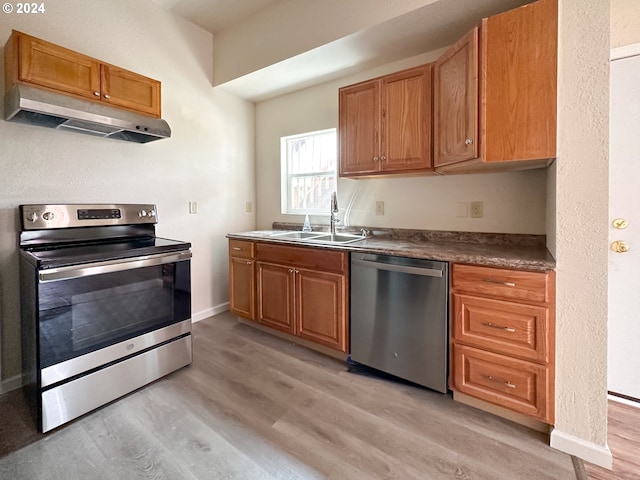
(620, 223)
(619, 246)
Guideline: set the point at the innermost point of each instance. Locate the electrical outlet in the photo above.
(193, 207)
(379, 208)
(462, 209)
(248, 207)
(477, 209)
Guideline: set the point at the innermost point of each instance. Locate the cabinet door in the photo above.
(519, 51)
(275, 296)
(359, 121)
(455, 107)
(321, 307)
(406, 121)
(130, 90)
(241, 287)
(51, 66)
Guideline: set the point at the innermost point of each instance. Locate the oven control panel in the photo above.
(39, 217)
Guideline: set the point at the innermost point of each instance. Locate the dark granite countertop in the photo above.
(521, 252)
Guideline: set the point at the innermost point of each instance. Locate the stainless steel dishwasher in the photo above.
(399, 317)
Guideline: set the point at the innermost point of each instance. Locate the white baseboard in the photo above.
(10, 383)
(209, 312)
(596, 454)
(624, 401)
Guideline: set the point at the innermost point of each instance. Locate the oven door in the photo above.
(92, 314)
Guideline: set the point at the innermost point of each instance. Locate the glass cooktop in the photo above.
(74, 254)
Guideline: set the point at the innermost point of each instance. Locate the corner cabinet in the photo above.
(503, 338)
(385, 125)
(33, 61)
(495, 94)
(242, 274)
(303, 292)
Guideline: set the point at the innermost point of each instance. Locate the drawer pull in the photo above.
(500, 327)
(506, 383)
(238, 248)
(506, 284)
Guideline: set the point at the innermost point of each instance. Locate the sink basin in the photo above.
(338, 238)
(319, 237)
(298, 235)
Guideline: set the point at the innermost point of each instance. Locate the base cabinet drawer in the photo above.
(514, 329)
(511, 383)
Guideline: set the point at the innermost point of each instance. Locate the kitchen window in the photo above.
(309, 171)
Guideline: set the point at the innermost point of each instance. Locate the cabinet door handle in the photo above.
(97, 94)
(249, 262)
(499, 327)
(107, 96)
(383, 158)
(506, 383)
(375, 159)
(468, 141)
(506, 284)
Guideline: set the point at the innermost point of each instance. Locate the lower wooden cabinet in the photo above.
(303, 291)
(503, 341)
(242, 278)
(275, 296)
(506, 381)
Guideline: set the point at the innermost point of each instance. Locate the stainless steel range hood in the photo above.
(26, 104)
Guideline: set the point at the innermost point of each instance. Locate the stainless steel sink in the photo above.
(319, 237)
(338, 238)
(298, 235)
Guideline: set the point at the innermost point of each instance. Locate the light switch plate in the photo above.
(379, 208)
(193, 207)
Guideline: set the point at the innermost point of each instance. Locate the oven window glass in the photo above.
(80, 315)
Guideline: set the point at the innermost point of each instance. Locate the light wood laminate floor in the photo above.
(253, 406)
(623, 437)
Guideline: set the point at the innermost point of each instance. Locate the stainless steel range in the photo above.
(106, 306)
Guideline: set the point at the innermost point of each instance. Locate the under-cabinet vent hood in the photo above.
(35, 106)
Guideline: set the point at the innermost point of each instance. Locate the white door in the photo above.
(624, 203)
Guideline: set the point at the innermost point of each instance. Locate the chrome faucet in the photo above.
(334, 211)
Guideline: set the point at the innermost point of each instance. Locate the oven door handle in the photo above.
(97, 268)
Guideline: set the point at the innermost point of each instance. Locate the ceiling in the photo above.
(424, 29)
(214, 15)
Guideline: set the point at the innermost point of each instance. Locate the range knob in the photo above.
(33, 217)
(142, 213)
(48, 216)
(152, 213)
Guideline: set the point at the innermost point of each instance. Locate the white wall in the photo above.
(290, 27)
(581, 229)
(625, 22)
(209, 157)
(513, 202)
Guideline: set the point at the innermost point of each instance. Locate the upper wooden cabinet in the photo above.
(34, 61)
(455, 102)
(513, 99)
(385, 125)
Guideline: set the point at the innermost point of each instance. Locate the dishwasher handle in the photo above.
(426, 272)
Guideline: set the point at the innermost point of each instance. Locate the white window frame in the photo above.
(286, 177)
